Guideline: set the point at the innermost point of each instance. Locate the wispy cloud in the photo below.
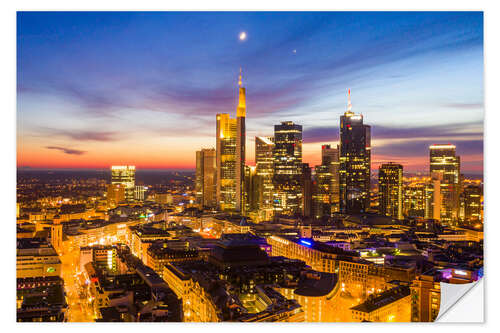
(68, 151)
(83, 135)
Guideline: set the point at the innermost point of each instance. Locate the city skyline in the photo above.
(152, 106)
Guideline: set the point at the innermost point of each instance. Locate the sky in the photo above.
(96, 89)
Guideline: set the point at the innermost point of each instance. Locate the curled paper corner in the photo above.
(462, 302)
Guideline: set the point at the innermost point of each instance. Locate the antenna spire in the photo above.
(349, 105)
(239, 78)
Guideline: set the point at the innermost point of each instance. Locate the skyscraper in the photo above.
(205, 178)
(326, 191)
(355, 162)
(125, 176)
(287, 154)
(240, 144)
(226, 162)
(264, 168)
(251, 190)
(390, 188)
(471, 201)
(445, 167)
(230, 155)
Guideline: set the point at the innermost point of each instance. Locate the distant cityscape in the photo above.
(278, 241)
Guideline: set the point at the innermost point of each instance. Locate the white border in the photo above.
(8, 181)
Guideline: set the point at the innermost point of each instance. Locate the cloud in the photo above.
(79, 135)
(68, 151)
(466, 106)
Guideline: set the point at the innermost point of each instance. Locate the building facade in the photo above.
(287, 155)
(355, 163)
(206, 175)
(230, 156)
(445, 167)
(125, 176)
(390, 180)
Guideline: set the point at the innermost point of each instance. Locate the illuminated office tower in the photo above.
(205, 178)
(355, 162)
(230, 155)
(125, 176)
(445, 167)
(287, 154)
(330, 157)
(322, 206)
(250, 190)
(390, 188)
(264, 168)
(417, 199)
(326, 183)
(115, 194)
(471, 202)
(139, 192)
(307, 190)
(240, 143)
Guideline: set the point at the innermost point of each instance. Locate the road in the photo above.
(78, 308)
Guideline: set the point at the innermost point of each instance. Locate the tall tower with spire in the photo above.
(240, 144)
(230, 155)
(355, 162)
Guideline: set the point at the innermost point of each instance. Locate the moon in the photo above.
(243, 35)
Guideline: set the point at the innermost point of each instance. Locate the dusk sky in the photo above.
(101, 89)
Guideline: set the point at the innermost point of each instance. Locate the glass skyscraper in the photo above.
(355, 163)
(287, 154)
(390, 189)
(445, 168)
(124, 175)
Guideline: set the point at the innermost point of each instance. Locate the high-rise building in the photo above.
(124, 175)
(251, 190)
(471, 202)
(307, 190)
(115, 194)
(390, 188)
(322, 206)
(287, 154)
(330, 157)
(445, 167)
(205, 178)
(264, 168)
(417, 199)
(230, 155)
(326, 183)
(139, 192)
(355, 163)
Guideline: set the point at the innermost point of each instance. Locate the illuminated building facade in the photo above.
(139, 193)
(471, 202)
(425, 299)
(322, 197)
(115, 194)
(264, 168)
(287, 155)
(326, 189)
(417, 199)
(390, 187)
(330, 157)
(230, 155)
(392, 305)
(206, 176)
(445, 167)
(226, 162)
(307, 190)
(251, 190)
(35, 257)
(355, 163)
(124, 175)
